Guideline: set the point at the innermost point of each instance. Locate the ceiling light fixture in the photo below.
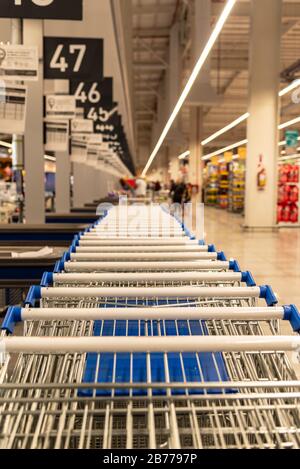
(222, 150)
(226, 128)
(290, 87)
(289, 123)
(204, 54)
(184, 155)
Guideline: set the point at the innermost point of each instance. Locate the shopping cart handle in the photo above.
(221, 256)
(292, 314)
(47, 279)
(247, 278)
(59, 267)
(12, 317)
(267, 293)
(34, 295)
(234, 265)
(211, 248)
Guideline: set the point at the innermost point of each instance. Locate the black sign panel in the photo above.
(42, 9)
(73, 58)
(92, 93)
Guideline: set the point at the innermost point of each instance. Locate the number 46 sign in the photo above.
(41, 9)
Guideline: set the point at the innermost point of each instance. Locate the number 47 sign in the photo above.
(41, 9)
(73, 58)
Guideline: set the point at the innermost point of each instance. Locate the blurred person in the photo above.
(141, 187)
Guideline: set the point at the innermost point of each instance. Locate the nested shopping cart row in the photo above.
(147, 338)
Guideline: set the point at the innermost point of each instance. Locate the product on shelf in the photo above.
(223, 183)
(288, 194)
(211, 184)
(236, 192)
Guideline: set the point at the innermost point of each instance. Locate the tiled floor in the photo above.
(273, 258)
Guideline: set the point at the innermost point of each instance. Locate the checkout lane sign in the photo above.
(18, 62)
(42, 9)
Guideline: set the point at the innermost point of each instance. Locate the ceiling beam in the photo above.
(152, 32)
(152, 9)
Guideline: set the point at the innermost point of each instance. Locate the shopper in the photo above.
(141, 187)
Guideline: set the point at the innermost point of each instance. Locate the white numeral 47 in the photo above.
(59, 62)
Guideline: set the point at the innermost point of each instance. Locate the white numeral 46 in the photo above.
(94, 96)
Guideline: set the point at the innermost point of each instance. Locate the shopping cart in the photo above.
(149, 354)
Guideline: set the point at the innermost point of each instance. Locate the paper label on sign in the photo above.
(13, 100)
(78, 150)
(60, 106)
(82, 126)
(95, 139)
(56, 135)
(214, 160)
(19, 62)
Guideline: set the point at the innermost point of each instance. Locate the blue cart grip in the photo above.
(47, 279)
(212, 248)
(221, 256)
(234, 265)
(291, 314)
(12, 317)
(59, 267)
(34, 295)
(247, 278)
(267, 293)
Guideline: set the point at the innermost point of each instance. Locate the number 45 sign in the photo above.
(41, 9)
(73, 58)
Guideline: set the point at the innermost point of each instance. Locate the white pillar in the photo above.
(79, 185)
(262, 128)
(62, 182)
(196, 149)
(34, 140)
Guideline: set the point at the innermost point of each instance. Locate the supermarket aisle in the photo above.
(273, 258)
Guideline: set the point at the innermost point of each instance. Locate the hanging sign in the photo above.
(42, 9)
(73, 58)
(291, 137)
(56, 135)
(92, 93)
(12, 108)
(215, 160)
(82, 126)
(18, 62)
(60, 106)
(292, 142)
(242, 153)
(228, 156)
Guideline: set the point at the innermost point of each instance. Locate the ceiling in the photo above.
(152, 20)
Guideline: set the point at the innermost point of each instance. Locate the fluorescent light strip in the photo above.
(5, 144)
(225, 129)
(289, 123)
(245, 116)
(289, 88)
(205, 53)
(222, 150)
(184, 155)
